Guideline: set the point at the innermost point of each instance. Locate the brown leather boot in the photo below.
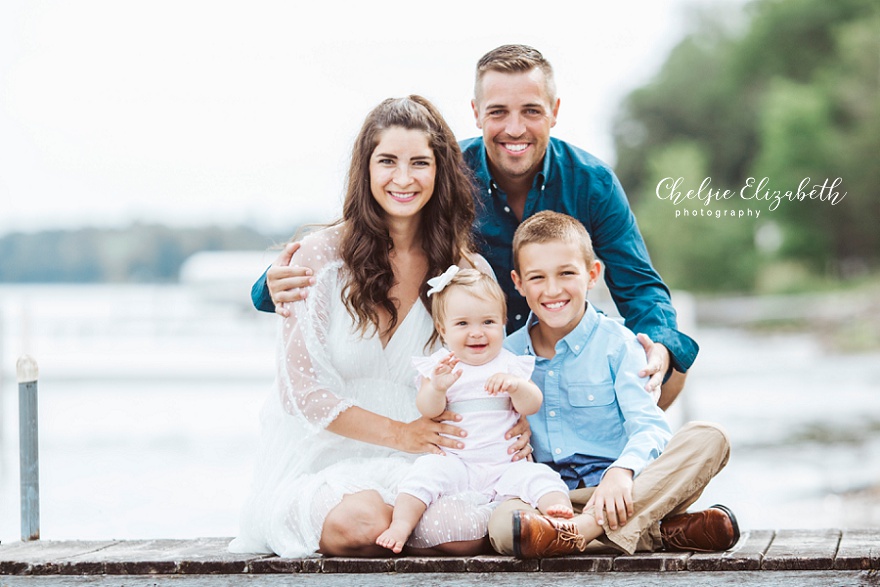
(539, 536)
(711, 530)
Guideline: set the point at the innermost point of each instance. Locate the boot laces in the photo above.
(568, 535)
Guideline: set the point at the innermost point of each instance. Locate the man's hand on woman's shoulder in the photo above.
(286, 282)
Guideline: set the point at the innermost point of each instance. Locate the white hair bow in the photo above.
(438, 283)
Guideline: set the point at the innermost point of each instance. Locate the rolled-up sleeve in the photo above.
(260, 295)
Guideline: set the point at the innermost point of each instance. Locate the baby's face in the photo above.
(473, 328)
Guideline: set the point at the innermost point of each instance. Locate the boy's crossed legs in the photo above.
(666, 487)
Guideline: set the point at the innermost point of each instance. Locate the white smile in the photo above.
(403, 196)
(516, 147)
(555, 305)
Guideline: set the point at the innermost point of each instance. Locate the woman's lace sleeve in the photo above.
(308, 384)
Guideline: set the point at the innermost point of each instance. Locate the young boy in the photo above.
(597, 425)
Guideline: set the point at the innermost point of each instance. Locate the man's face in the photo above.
(516, 115)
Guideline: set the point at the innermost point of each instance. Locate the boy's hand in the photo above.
(501, 382)
(286, 282)
(613, 498)
(658, 362)
(444, 374)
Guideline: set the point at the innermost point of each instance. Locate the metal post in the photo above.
(28, 373)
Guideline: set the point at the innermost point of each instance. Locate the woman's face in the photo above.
(402, 171)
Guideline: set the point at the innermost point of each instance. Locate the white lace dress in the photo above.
(324, 367)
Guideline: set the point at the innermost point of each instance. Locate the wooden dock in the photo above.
(762, 557)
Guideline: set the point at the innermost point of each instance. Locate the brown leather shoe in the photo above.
(711, 530)
(538, 536)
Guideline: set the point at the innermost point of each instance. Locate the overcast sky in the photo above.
(198, 112)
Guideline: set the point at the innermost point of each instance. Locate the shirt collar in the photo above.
(577, 339)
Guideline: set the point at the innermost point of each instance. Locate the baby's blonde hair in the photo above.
(477, 284)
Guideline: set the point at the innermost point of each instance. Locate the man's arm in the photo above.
(637, 289)
(281, 282)
(260, 295)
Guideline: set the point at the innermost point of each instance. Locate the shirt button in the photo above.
(506, 209)
(552, 414)
(577, 347)
(558, 451)
(518, 316)
(550, 373)
(590, 397)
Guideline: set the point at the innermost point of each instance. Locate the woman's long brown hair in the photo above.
(446, 220)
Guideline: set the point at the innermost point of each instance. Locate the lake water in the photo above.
(149, 397)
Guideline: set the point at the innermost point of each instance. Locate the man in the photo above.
(521, 170)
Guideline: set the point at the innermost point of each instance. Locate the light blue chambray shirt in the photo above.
(595, 403)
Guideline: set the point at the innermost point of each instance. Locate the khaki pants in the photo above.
(667, 486)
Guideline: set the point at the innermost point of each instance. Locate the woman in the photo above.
(343, 427)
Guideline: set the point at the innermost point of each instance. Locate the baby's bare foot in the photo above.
(392, 540)
(560, 511)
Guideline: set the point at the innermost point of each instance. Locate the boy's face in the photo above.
(473, 327)
(554, 277)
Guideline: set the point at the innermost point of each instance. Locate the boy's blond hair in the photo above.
(549, 226)
(477, 284)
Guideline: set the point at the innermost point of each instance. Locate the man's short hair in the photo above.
(549, 226)
(515, 59)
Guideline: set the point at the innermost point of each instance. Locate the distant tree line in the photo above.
(792, 93)
(140, 253)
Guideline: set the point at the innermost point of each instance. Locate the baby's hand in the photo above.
(501, 382)
(444, 374)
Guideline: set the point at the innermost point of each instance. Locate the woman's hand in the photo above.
(522, 433)
(430, 436)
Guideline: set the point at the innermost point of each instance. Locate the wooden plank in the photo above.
(430, 565)
(49, 557)
(358, 565)
(652, 561)
(275, 564)
(578, 564)
(800, 550)
(486, 563)
(143, 557)
(859, 550)
(687, 579)
(795, 550)
(746, 555)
